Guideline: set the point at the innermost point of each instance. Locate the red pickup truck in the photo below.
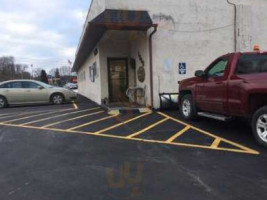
(234, 85)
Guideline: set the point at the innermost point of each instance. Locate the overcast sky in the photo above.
(44, 33)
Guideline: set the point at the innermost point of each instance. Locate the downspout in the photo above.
(235, 23)
(151, 64)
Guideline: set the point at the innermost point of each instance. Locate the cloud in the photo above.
(43, 33)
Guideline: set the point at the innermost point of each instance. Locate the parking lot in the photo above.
(78, 151)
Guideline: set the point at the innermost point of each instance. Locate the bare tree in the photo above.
(7, 68)
(65, 71)
(52, 72)
(37, 73)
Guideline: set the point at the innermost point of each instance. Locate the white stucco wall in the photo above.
(191, 31)
(87, 88)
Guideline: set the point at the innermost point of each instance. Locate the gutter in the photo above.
(235, 24)
(151, 64)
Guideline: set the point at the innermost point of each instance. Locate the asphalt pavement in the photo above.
(78, 151)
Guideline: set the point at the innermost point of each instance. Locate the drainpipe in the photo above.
(151, 64)
(235, 23)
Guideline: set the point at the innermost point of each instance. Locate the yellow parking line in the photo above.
(170, 140)
(21, 114)
(122, 123)
(210, 135)
(40, 114)
(67, 120)
(66, 114)
(135, 139)
(89, 123)
(74, 105)
(6, 115)
(147, 128)
(216, 143)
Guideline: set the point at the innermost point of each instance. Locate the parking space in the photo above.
(150, 127)
(79, 147)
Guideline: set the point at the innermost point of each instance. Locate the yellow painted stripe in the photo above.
(147, 128)
(209, 134)
(178, 134)
(21, 114)
(40, 114)
(75, 105)
(92, 122)
(216, 143)
(114, 112)
(67, 120)
(136, 139)
(53, 117)
(122, 123)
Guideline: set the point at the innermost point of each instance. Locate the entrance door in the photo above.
(118, 79)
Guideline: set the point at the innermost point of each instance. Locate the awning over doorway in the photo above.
(124, 20)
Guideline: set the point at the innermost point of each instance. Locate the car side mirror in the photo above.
(40, 87)
(200, 74)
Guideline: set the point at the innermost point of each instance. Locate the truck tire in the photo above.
(187, 107)
(259, 126)
(3, 102)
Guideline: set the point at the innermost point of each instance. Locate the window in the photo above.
(30, 85)
(92, 72)
(218, 69)
(12, 85)
(252, 63)
(6, 85)
(16, 85)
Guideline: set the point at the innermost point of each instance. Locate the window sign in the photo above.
(92, 72)
(182, 68)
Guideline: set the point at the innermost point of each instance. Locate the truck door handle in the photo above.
(219, 83)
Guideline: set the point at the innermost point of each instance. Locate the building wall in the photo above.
(191, 31)
(139, 48)
(87, 88)
(197, 32)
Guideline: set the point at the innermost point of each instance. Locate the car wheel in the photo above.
(187, 107)
(3, 102)
(259, 126)
(57, 99)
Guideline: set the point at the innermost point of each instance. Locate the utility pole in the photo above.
(32, 70)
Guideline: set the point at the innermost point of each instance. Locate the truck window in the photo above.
(218, 68)
(252, 63)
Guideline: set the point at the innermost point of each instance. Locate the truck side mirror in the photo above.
(200, 74)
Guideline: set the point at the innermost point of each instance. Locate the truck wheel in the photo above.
(259, 126)
(187, 107)
(3, 102)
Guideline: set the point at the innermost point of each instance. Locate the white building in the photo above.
(141, 43)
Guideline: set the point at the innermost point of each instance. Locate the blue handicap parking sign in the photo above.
(182, 68)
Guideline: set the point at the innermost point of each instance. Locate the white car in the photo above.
(32, 92)
(72, 86)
